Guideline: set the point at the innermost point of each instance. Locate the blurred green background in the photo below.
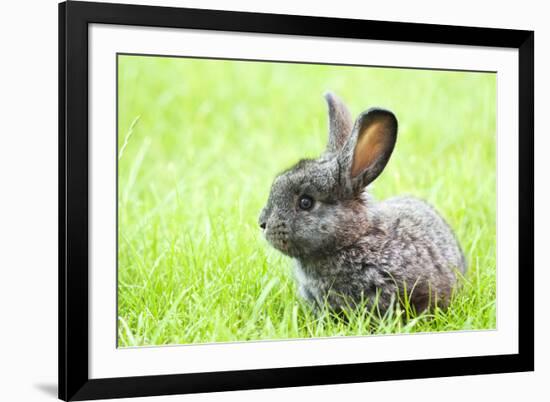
(200, 142)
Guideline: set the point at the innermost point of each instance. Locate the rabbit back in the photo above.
(420, 251)
(417, 226)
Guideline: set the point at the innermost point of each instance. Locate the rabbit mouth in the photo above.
(279, 239)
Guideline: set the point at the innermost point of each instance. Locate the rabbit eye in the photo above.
(305, 202)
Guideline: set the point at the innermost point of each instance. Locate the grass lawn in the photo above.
(200, 142)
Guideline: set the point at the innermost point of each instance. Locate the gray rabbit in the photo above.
(348, 248)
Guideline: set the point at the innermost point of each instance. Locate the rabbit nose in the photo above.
(263, 225)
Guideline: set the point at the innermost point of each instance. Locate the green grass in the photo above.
(200, 142)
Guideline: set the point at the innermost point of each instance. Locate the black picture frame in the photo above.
(74, 18)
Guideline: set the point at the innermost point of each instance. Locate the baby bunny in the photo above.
(347, 247)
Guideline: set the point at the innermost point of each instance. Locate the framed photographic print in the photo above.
(257, 200)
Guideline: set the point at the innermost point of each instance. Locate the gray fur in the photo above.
(349, 248)
(339, 121)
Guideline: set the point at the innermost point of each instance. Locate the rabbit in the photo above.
(349, 249)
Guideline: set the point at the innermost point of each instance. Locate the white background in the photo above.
(28, 199)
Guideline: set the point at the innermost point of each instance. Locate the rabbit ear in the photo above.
(340, 123)
(369, 148)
